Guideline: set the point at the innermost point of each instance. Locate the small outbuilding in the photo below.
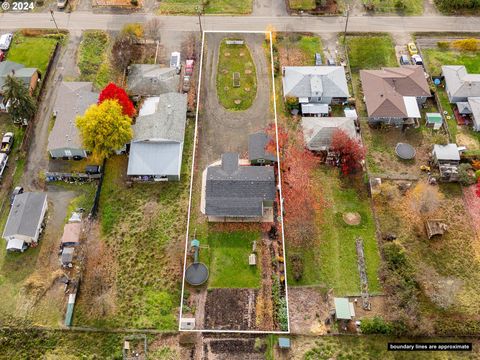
(434, 121)
(318, 131)
(344, 309)
(67, 256)
(24, 223)
(284, 343)
(447, 158)
(71, 234)
(435, 227)
(257, 149)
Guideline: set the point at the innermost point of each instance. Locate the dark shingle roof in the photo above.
(256, 147)
(234, 190)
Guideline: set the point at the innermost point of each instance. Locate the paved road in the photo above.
(81, 20)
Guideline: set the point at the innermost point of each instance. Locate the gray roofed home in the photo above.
(24, 222)
(73, 99)
(459, 84)
(151, 80)
(318, 131)
(317, 84)
(158, 135)
(446, 153)
(8, 67)
(474, 103)
(235, 191)
(257, 152)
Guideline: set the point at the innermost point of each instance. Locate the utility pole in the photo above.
(53, 18)
(346, 23)
(199, 13)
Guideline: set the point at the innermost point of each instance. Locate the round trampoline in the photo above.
(405, 151)
(196, 274)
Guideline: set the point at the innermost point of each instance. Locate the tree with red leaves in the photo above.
(351, 152)
(477, 188)
(114, 92)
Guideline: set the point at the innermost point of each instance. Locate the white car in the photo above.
(175, 61)
(5, 41)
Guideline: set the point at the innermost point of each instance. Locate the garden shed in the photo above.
(434, 120)
(344, 309)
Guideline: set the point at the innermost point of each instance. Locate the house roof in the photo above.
(73, 99)
(25, 214)
(459, 82)
(385, 90)
(151, 80)
(257, 144)
(446, 152)
(315, 81)
(71, 233)
(318, 131)
(474, 103)
(20, 71)
(464, 107)
(239, 191)
(314, 108)
(158, 134)
(433, 118)
(343, 309)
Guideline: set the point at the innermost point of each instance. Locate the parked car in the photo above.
(3, 163)
(186, 84)
(18, 190)
(331, 62)
(5, 41)
(412, 48)
(318, 59)
(61, 4)
(7, 143)
(93, 169)
(417, 60)
(189, 67)
(404, 60)
(175, 59)
(2, 56)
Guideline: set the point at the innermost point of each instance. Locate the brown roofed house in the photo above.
(392, 95)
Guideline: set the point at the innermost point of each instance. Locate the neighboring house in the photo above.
(393, 95)
(29, 77)
(151, 80)
(257, 152)
(158, 135)
(315, 84)
(73, 99)
(474, 103)
(235, 192)
(459, 84)
(447, 158)
(24, 223)
(318, 131)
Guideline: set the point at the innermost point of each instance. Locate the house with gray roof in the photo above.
(151, 80)
(257, 149)
(24, 223)
(318, 131)
(158, 135)
(29, 77)
(233, 190)
(73, 99)
(315, 84)
(474, 105)
(459, 84)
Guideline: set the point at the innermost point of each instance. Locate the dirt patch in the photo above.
(231, 347)
(309, 309)
(352, 218)
(468, 141)
(378, 307)
(232, 309)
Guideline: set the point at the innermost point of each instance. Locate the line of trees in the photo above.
(449, 5)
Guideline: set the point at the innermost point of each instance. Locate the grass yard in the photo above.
(229, 253)
(302, 4)
(236, 60)
(140, 252)
(299, 50)
(32, 51)
(404, 7)
(370, 52)
(332, 261)
(93, 59)
(211, 7)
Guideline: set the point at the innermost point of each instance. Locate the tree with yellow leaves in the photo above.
(104, 128)
(271, 30)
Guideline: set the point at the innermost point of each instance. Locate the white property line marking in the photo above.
(191, 190)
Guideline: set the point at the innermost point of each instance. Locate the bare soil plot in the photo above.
(309, 309)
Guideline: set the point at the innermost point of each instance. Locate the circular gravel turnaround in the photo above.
(405, 151)
(196, 274)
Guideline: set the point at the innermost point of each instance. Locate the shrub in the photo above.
(291, 103)
(297, 266)
(376, 325)
(466, 175)
(444, 45)
(466, 44)
(134, 29)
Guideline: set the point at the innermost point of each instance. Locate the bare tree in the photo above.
(152, 29)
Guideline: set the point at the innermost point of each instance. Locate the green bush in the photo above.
(376, 325)
(444, 45)
(466, 175)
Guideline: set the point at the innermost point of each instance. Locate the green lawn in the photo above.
(236, 59)
(333, 260)
(93, 59)
(405, 7)
(371, 52)
(229, 253)
(32, 51)
(309, 46)
(302, 4)
(435, 58)
(211, 7)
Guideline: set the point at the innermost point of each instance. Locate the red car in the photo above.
(189, 67)
(2, 56)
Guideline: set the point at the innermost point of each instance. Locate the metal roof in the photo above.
(25, 214)
(314, 108)
(315, 81)
(151, 80)
(446, 152)
(343, 309)
(234, 190)
(155, 158)
(460, 83)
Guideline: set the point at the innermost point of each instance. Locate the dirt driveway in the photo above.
(221, 130)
